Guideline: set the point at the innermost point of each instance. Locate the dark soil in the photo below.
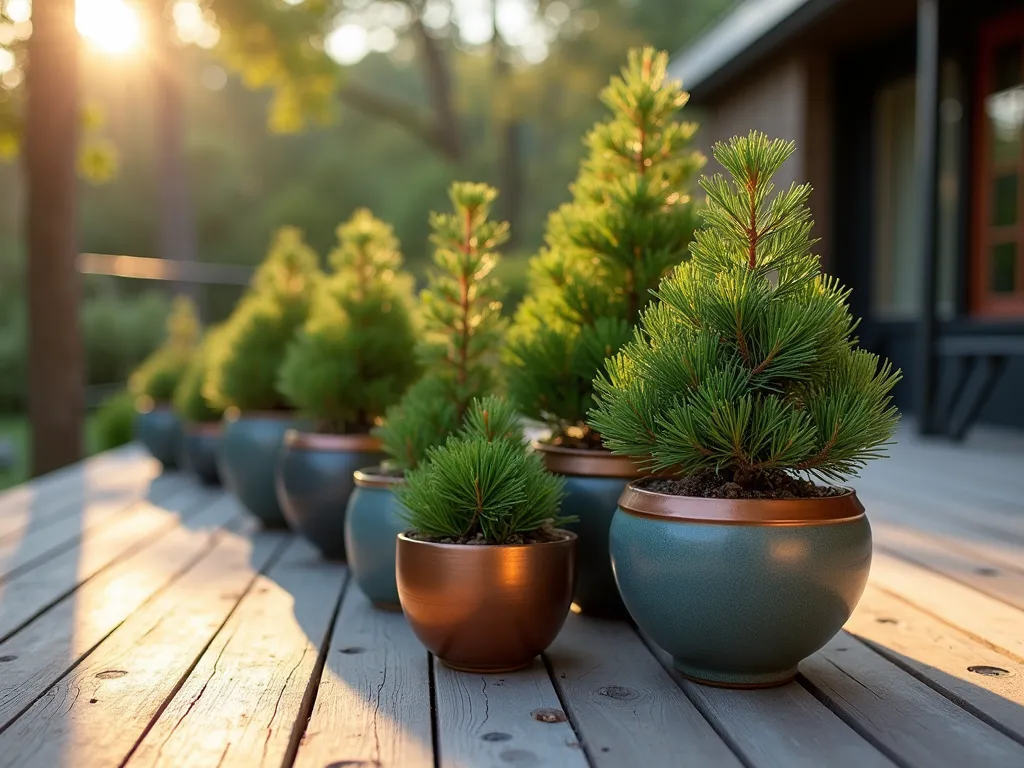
(541, 536)
(585, 439)
(709, 485)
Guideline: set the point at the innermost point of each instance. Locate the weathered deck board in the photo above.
(44, 650)
(30, 592)
(490, 720)
(942, 656)
(373, 704)
(98, 711)
(623, 704)
(242, 702)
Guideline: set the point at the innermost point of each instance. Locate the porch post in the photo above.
(926, 180)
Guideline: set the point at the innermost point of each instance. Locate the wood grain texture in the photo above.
(28, 593)
(623, 704)
(44, 650)
(783, 727)
(942, 656)
(373, 704)
(487, 721)
(96, 713)
(241, 703)
(899, 713)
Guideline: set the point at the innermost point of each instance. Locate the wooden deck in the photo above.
(144, 621)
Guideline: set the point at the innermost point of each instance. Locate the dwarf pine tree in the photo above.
(746, 365)
(189, 402)
(159, 374)
(460, 315)
(629, 222)
(352, 359)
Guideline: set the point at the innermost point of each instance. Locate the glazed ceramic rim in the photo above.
(145, 404)
(587, 462)
(767, 512)
(570, 537)
(204, 428)
(371, 477)
(318, 441)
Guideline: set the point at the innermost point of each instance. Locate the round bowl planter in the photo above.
(158, 428)
(594, 480)
(484, 608)
(739, 591)
(315, 480)
(199, 447)
(373, 521)
(248, 458)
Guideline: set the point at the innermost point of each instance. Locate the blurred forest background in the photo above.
(277, 131)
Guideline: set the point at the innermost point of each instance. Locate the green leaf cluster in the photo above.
(246, 356)
(189, 402)
(353, 358)
(746, 364)
(158, 375)
(484, 482)
(629, 222)
(462, 327)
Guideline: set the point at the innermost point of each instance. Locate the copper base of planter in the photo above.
(587, 462)
(316, 441)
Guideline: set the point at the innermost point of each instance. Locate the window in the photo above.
(998, 258)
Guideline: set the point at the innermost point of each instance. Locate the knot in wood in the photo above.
(984, 669)
(548, 715)
(110, 674)
(620, 692)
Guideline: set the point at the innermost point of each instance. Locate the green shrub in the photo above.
(629, 223)
(121, 331)
(484, 483)
(746, 365)
(158, 375)
(113, 424)
(189, 402)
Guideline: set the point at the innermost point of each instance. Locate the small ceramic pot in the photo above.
(158, 428)
(594, 480)
(739, 591)
(373, 521)
(314, 482)
(248, 458)
(486, 609)
(199, 447)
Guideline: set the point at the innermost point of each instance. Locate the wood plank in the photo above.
(783, 727)
(622, 703)
(943, 657)
(903, 716)
(246, 696)
(45, 649)
(95, 714)
(28, 593)
(500, 720)
(373, 705)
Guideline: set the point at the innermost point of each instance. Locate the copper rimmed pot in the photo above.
(483, 608)
(314, 482)
(199, 448)
(739, 591)
(594, 480)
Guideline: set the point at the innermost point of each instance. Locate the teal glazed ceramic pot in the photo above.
(594, 481)
(157, 427)
(739, 591)
(314, 482)
(199, 447)
(248, 459)
(372, 524)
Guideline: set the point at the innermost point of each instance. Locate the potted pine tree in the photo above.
(243, 367)
(745, 385)
(480, 507)
(461, 325)
(629, 222)
(201, 422)
(349, 363)
(153, 383)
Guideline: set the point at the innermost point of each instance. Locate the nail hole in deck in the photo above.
(496, 736)
(354, 649)
(982, 669)
(885, 620)
(619, 692)
(520, 757)
(986, 571)
(548, 715)
(354, 764)
(93, 701)
(8, 657)
(110, 674)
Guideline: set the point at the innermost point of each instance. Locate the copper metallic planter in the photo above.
(486, 609)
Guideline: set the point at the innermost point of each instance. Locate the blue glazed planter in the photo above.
(740, 591)
(159, 430)
(199, 447)
(372, 525)
(247, 461)
(314, 482)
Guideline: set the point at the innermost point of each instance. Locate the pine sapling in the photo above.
(745, 375)
(159, 374)
(189, 402)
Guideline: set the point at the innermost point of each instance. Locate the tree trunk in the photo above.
(56, 353)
